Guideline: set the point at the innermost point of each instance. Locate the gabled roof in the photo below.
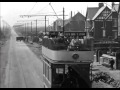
(70, 19)
(82, 17)
(115, 8)
(91, 11)
(60, 21)
(99, 12)
(119, 8)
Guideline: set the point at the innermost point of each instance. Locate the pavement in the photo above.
(22, 68)
(97, 67)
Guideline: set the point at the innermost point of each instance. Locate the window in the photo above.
(58, 77)
(49, 74)
(59, 70)
(115, 23)
(104, 33)
(43, 68)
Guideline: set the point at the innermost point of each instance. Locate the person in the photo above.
(72, 43)
(45, 36)
(112, 63)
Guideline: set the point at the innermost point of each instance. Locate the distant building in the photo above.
(75, 23)
(57, 25)
(119, 20)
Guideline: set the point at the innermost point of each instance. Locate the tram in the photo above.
(63, 67)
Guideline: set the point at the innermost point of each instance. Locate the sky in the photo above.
(10, 11)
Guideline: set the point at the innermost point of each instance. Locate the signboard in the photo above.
(75, 34)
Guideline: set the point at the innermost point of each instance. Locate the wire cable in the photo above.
(32, 8)
(42, 8)
(53, 9)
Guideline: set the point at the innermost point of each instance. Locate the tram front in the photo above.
(67, 68)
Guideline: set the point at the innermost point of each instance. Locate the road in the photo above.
(22, 68)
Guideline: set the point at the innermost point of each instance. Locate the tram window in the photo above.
(49, 74)
(59, 70)
(66, 69)
(58, 76)
(43, 68)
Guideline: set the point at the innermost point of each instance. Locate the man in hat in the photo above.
(112, 63)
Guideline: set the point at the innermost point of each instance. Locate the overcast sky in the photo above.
(10, 11)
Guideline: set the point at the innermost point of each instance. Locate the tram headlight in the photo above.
(75, 56)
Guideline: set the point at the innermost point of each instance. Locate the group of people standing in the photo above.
(70, 41)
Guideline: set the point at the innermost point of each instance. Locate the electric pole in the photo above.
(31, 25)
(45, 24)
(63, 20)
(31, 29)
(41, 15)
(36, 27)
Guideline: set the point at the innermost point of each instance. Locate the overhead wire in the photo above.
(32, 8)
(42, 8)
(50, 12)
(53, 9)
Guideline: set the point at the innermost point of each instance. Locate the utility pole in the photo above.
(31, 29)
(36, 27)
(3, 29)
(32, 23)
(63, 20)
(25, 29)
(40, 15)
(0, 26)
(45, 24)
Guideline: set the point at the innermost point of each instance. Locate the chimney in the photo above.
(101, 5)
(113, 4)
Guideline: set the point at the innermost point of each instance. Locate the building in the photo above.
(91, 11)
(114, 16)
(119, 20)
(57, 25)
(75, 23)
(101, 22)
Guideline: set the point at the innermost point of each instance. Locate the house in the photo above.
(119, 20)
(75, 23)
(57, 25)
(114, 17)
(101, 22)
(95, 22)
(91, 11)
